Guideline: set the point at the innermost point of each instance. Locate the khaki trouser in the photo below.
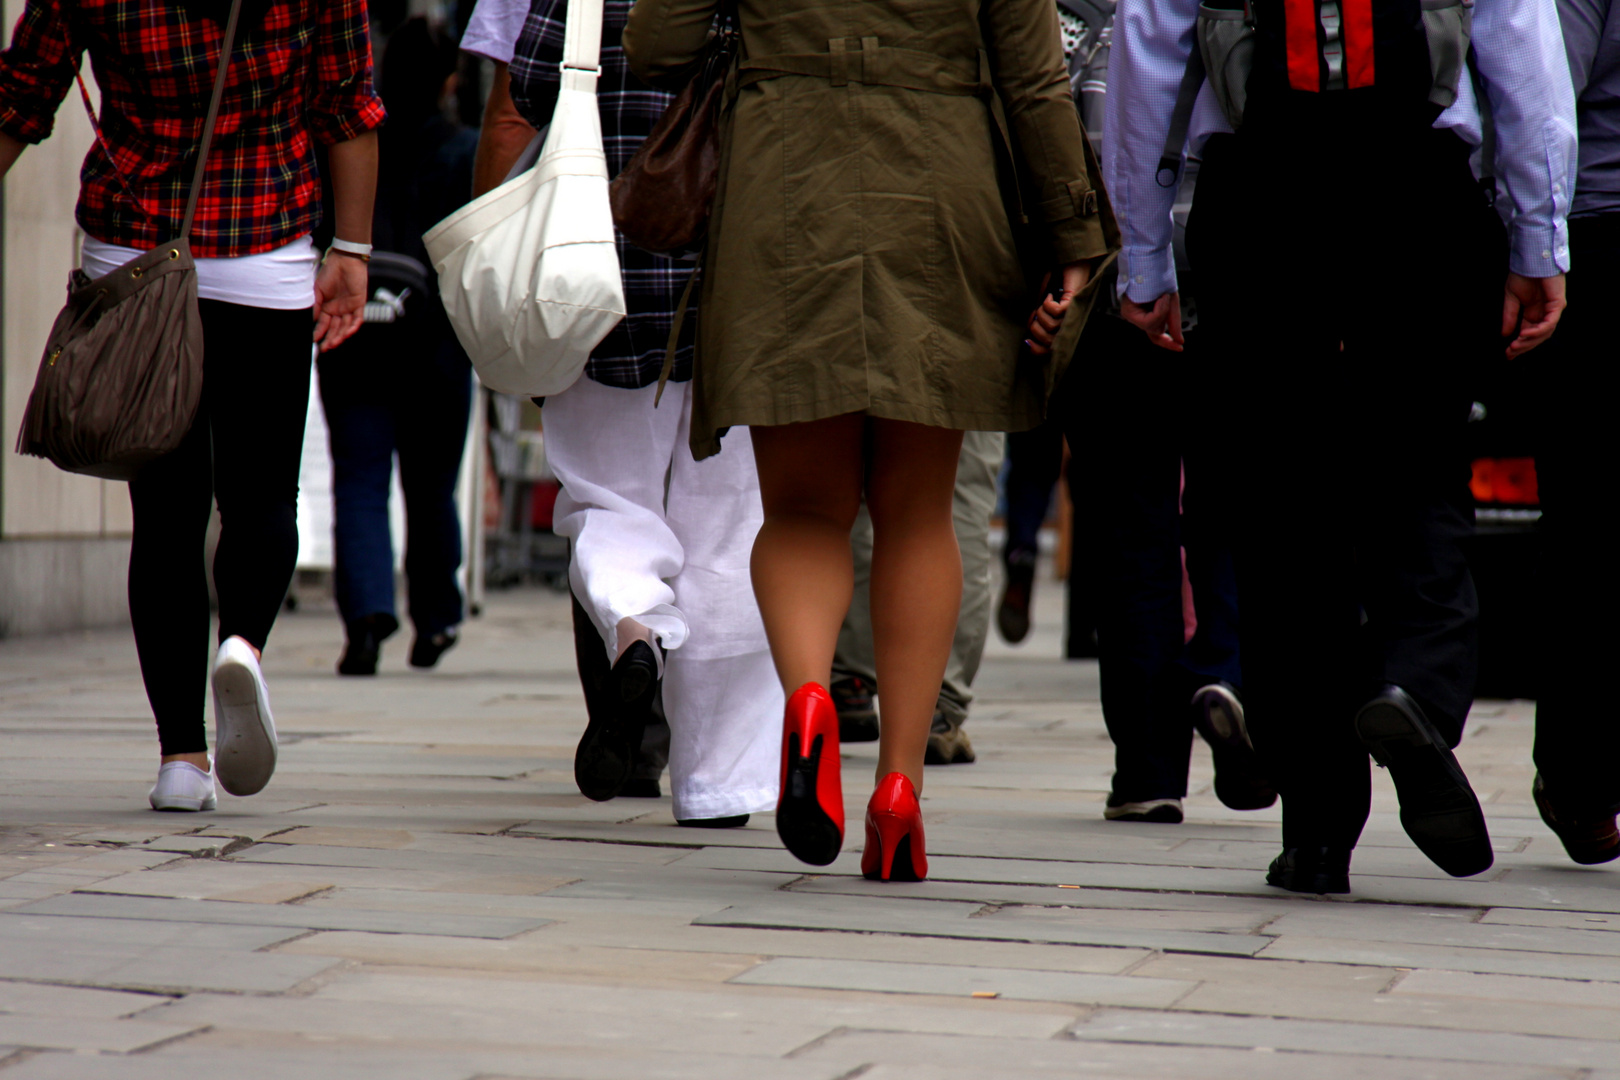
(975, 501)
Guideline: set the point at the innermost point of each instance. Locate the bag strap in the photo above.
(582, 46)
(227, 46)
(1175, 142)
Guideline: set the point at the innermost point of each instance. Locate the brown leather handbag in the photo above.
(662, 197)
(122, 374)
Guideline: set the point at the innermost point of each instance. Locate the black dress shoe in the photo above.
(1439, 809)
(1311, 870)
(1218, 716)
(1012, 614)
(857, 715)
(425, 651)
(734, 822)
(1588, 840)
(363, 646)
(607, 751)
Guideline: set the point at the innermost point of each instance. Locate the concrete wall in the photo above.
(63, 538)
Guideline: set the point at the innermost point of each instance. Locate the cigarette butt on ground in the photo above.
(1068, 886)
(987, 993)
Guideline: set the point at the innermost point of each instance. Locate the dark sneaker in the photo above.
(641, 787)
(1311, 870)
(426, 651)
(948, 744)
(363, 640)
(1439, 809)
(1012, 614)
(607, 751)
(857, 713)
(1218, 717)
(1158, 811)
(1589, 841)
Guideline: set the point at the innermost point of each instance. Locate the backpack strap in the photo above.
(1487, 131)
(1192, 81)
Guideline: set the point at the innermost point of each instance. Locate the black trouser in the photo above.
(1131, 414)
(1577, 736)
(402, 387)
(243, 450)
(1347, 287)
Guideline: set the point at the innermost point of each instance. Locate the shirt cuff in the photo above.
(1539, 252)
(1145, 274)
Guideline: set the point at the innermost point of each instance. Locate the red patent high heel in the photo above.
(894, 833)
(810, 813)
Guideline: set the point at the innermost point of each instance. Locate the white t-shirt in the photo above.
(283, 279)
(494, 27)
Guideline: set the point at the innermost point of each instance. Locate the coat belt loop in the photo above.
(838, 68)
(870, 72)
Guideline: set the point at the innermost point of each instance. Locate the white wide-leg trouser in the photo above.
(665, 540)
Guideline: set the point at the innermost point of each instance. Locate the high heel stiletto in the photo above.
(810, 813)
(894, 833)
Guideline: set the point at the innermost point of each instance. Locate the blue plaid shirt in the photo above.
(633, 354)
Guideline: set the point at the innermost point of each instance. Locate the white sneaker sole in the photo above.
(180, 802)
(244, 731)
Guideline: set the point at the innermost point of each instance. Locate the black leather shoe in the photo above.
(1311, 870)
(857, 715)
(363, 647)
(1439, 809)
(1218, 716)
(1589, 840)
(425, 651)
(734, 822)
(607, 751)
(1012, 614)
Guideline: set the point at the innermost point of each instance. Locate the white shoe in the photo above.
(244, 731)
(182, 786)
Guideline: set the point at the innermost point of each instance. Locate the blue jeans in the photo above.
(403, 388)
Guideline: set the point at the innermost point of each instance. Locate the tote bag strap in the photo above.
(582, 46)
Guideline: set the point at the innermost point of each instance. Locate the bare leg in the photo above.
(810, 486)
(916, 582)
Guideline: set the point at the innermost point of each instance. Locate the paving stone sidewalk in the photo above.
(421, 894)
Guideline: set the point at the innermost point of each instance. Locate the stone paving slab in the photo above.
(1114, 1025)
(302, 916)
(942, 979)
(940, 919)
(80, 1033)
(320, 928)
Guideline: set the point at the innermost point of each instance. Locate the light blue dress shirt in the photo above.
(1519, 50)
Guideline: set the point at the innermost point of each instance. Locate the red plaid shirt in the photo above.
(300, 74)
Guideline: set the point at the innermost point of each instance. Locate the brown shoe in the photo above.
(948, 744)
(1589, 842)
(857, 713)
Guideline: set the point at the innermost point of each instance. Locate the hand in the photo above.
(1047, 320)
(340, 299)
(1531, 307)
(1160, 321)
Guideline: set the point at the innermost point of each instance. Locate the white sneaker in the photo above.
(244, 731)
(182, 786)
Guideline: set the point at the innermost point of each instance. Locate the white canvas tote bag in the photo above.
(528, 272)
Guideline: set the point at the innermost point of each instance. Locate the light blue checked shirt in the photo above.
(1518, 47)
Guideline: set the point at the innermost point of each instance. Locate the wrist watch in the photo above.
(349, 247)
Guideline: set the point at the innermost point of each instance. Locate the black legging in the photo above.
(243, 450)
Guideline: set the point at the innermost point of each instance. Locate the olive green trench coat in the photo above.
(878, 159)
